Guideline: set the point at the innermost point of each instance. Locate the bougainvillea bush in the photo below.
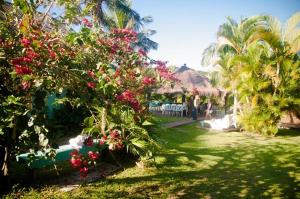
(100, 71)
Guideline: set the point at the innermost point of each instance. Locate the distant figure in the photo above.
(208, 110)
(190, 106)
(196, 103)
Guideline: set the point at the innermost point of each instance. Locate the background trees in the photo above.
(257, 60)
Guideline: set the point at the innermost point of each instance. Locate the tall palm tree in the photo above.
(233, 39)
(256, 57)
(102, 7)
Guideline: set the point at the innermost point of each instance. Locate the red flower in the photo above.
(31, 54)
(85, 163)
(25, 42)
(52, 54)
(142, 52)
(135, 105)
(93, 155)
(126, 96)
(74, 153)
(114, 134)
(103, 139)
(91, 74)
(21, 60)
(89, 141)
(91, 85)
(83, 172)
(76, 162)
(148, 81)
(87, 23)
(22, 70)
(25, 85)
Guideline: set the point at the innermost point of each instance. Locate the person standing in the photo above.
(208, 110)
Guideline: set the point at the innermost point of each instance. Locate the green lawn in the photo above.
(166, 119)
(202, 164)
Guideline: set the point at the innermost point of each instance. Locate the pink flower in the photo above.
(114, 134)
(52, 54)
(76, 162)
(25, 42)
(148, 81)
(22, 70)
(91, 74)
(83, 172)
(87, 23)
(21, 60)
(142, 52)
(103, 140)
(25, 85)
(31, 54)
(93, 155)
(135, 105)
(91, 85)
(126, 96)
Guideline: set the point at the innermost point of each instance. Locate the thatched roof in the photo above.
(189, 80)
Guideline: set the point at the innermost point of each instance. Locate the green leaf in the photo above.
(147, 123)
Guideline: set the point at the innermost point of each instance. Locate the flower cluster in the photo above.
(127, 34)
(80, 162)
(128, 97)
(115, 140)
(164, 71)
(148, 81)
(22, 70)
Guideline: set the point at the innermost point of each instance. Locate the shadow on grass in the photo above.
(288, 132)
(241, 168)
(202, 164)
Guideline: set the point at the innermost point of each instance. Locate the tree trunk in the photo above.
(98, 12)
(103, 120)
(235, 102)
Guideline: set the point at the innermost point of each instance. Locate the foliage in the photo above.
(101, 72)
(257, 61)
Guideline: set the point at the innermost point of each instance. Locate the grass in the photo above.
(167, 119)
(201, 164)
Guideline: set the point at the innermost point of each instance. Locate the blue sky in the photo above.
(186, 27)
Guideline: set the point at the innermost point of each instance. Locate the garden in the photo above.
(76, 87)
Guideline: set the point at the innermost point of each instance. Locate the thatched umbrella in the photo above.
(189, 80)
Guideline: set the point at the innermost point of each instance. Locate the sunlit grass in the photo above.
(201, 164)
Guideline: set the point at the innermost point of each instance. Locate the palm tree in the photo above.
(233, 39)
(120, 19)
(97, 10)
(257, 59)
(101, 8)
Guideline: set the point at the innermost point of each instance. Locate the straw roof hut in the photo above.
(189, 79)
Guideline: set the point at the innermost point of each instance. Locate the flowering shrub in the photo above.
(105, 73)
(82, 163)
